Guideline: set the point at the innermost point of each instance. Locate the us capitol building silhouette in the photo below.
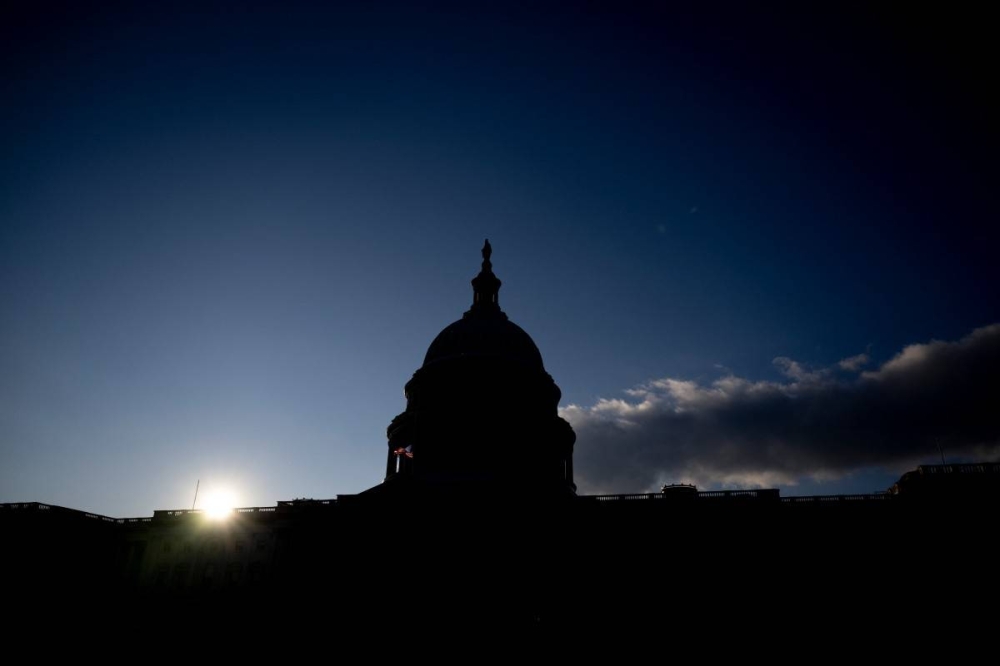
(477, 526)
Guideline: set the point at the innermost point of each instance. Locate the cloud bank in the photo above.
(814, 423)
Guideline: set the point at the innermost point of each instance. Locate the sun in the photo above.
(218, 504)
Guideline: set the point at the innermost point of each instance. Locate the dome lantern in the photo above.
(486, 285)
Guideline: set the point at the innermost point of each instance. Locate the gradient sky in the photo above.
(228, 234)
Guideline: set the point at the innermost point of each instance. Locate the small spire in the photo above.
(486, 285)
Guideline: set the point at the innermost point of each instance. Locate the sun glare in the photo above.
(218, 505)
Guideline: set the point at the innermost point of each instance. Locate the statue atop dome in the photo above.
(486, 286)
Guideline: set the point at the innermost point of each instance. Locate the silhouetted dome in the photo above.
(485, 331)
(486, 334)
(481, 413)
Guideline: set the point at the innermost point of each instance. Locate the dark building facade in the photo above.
(458, 536)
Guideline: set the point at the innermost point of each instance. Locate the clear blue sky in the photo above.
(228, 235)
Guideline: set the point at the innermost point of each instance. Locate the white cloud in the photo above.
(854, 363)
(815, 423)
(795, 370)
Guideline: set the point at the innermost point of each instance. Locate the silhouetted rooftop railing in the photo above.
(626, 496)
(818, 499)
(974, 468)
(305, 502)
(38, 506)
(763, 493)
(177, 513)
(170, 514)
(26, 506)
(246, 510)
(760, 494)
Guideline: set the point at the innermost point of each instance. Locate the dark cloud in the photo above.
(815, 423)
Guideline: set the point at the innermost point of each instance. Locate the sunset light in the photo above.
(218, 504)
